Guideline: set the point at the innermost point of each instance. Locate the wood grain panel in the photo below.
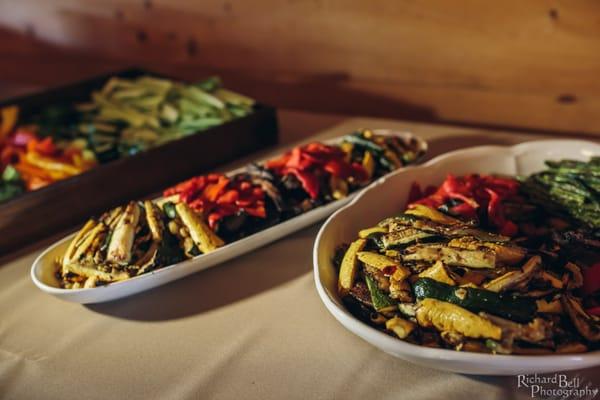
(527, 63)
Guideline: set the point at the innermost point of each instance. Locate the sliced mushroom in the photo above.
(513, 279)
(576, 280)
(584, 323)
(536, 331)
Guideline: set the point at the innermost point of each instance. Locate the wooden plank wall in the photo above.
(524, 63)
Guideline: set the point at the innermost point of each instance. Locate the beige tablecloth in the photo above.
(253, 328)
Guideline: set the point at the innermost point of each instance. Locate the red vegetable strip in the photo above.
(593, 311)
(591, 279)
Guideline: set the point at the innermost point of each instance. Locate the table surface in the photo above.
(251, 328)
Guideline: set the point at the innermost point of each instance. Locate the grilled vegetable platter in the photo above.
(210, 218)
(485, 263)
(124, 117)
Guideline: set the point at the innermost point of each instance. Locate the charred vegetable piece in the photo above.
(551, 307)
(89, 225)
(438, 272)
(400, 326)
(505, 253)
(368, 164)
(586, 325)
(569, 187)
(379, 261)
(535, 331)
(513, 279)
(420, 210)
(369, 232)
(403, 237)
(92, 271)
(119, 249)
(349, 266)
(201, 234)
(154, 220)
(451, 256)
(169, 208)
(517, 308)
(339, 187)
(381, 302)
(450, 317)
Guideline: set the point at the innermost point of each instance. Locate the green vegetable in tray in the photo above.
(509, 306)
(127, 116)
(169, 209)
(568, 187)
(11, 184)
(131, 115)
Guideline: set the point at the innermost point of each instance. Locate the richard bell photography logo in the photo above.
(557, 386)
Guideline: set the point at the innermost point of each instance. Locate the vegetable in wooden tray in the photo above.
(123, 118)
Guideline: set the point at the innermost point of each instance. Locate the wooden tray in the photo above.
(33, 215)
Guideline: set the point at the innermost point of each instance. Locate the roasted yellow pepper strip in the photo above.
(51, 165)
(449, 317)
(377, 260)
(368, 163)
(349, 266)
(365, 233)
(419, 210)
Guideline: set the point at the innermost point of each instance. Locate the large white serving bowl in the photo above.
(387, 197)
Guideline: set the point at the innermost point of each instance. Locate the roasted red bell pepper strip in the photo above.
(593, 311)
(309, 182)
(477, 195)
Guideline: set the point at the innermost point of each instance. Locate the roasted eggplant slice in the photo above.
(451, 256)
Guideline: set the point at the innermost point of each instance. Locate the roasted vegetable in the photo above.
(438, 273)
(400, 326)
(349, 266)
(450, 317)
(506, 254)
(121, 242)
(568, 187)
(505, 305)
(379, 261)
(381, 302)
(513, 279)
(475, 280)
(432, 214)
(451, 256)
